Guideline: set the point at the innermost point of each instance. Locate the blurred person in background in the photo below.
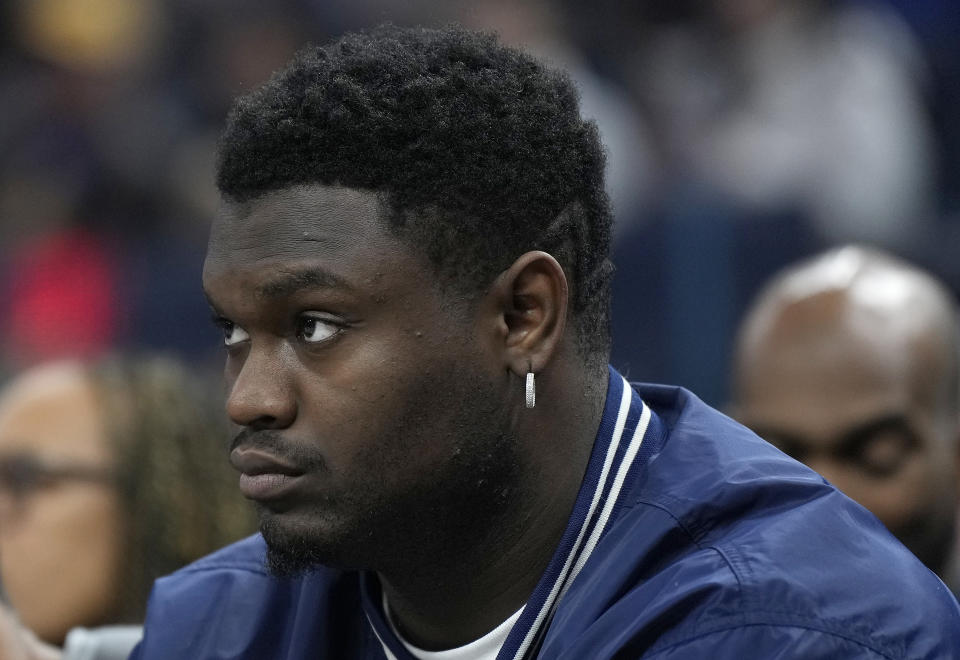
(110, 110)
(112, 473)
(781, 127)
(849, 363)
(810, 106)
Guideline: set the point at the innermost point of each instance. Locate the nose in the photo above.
(262, 395)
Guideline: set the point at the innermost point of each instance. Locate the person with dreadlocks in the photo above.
(111, 475)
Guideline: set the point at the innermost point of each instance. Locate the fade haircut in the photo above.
(477, 151)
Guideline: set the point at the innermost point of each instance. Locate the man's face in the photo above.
(373, 409)
(865, 410)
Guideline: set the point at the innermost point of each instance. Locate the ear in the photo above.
(530, 306)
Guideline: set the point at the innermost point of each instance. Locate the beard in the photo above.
(449, 510)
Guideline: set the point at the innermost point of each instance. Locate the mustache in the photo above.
(276, 444)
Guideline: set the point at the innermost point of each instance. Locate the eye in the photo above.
(315, 329)
(233, 334)
(881, 448)
(884, 454)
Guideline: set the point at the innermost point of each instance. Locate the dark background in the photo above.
(742, 135)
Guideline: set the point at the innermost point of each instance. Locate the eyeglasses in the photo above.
(22, 475)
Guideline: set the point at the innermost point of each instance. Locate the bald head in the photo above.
(849, 362)
(855, 306)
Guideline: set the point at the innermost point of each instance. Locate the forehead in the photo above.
(822, 367)
(310, 238)
(289, 221)
(340, 229)
(53, 412)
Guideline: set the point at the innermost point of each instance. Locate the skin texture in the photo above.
(848, 363)
(60, 547)
(406, 419)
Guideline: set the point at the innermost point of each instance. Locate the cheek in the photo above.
(59, 558)
(371, 430)
(393, 423)
(385, 404)
(359, 394)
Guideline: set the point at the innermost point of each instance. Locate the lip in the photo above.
(262, 475)
(254, 462)
(267, 486)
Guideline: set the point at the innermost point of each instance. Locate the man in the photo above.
(410, 271)
(849, 363)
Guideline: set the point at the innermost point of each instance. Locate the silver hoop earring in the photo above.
(531, 391)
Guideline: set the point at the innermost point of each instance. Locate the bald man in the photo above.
(849, 363)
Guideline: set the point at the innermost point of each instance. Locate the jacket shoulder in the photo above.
(724, 532)
(248, 554)
(228, 605)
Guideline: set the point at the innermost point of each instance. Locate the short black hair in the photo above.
(478, 151)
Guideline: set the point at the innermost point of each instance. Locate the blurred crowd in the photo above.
(742, 135)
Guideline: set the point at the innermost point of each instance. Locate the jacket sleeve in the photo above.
(213, 614)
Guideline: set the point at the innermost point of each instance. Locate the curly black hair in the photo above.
(478, 151)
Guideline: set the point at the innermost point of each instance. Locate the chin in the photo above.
(298, 544)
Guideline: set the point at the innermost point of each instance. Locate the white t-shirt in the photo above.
(485, 648)
(105, 643)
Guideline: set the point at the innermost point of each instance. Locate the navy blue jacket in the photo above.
(691, 538)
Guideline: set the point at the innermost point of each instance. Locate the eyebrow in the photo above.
(854, 439)
(293, 281)
(849, 440)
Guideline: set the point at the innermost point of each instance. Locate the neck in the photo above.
(466, 594)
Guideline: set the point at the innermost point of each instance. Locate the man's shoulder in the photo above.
(717, 477)
(721, 532)
(248, 554)
(229, 600)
